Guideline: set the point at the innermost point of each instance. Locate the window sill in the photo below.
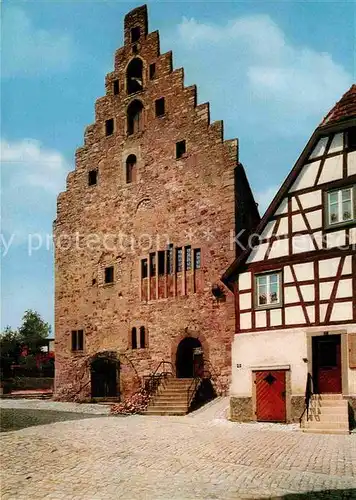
(107, 285)
(340, 225)
(268, 306)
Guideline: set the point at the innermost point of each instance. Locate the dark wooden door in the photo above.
(271, 396)
(327, 364)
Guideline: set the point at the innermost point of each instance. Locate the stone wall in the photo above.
(185, 201)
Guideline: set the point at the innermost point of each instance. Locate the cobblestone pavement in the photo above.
(200, 456)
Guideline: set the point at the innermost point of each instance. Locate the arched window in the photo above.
(133, 338)
(134, 117)
(131, 169)
(142, 337)
(134, 78)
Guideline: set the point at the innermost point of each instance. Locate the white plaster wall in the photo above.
(283, 207)
(314, 219)
(307, 176)
(351, 163)
(311, 199)
(319, 148)
(337, 144)
(258, 253)
(245, 300)
(277, 348)
(283, 226)
(279, 249)
(245, 281)
(332, 170)
(336, 239)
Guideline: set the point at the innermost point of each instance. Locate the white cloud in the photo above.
(31, 176)
(275, 79)
(28, 51)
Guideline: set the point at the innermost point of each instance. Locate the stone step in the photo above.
(327, 396)
(328, 409)
(162, 406)
(325, 425)
(165, 412)
(165, 399)
(328, 402)
(325, 431)
(330, 417)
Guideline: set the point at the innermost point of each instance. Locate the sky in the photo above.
(271, 71)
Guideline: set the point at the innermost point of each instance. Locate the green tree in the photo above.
(10, 350)
(33, 331)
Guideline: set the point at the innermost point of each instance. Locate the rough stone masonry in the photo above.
(144, 230)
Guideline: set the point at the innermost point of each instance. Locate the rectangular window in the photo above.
(109, 274)
(77, 340)
(144, 268)
(92, 177)
(341, 206)
(152, 71)
(188, 258)
(115, 87)
(179, 260)
(135, 34)
(161, 263)
(197, 258)
(170, 259)
(152, 264)
(268, 290)
(109, 127)
(180, 149)
(160, 108)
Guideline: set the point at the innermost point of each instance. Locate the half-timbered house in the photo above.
(295, 288)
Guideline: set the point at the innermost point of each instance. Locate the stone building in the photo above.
(295, 290)
(144, 230)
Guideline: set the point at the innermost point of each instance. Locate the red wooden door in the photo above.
(271, 396)
(327, 364)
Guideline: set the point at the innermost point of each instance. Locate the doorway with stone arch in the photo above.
(189, 358)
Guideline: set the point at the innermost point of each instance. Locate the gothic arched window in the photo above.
(134, 76)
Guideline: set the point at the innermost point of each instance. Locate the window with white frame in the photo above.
(341, 206)
(268, 290)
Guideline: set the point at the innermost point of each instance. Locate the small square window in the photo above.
(92, 177)
(152, 71)
(144, 269)
(109, 127)
(135, 34)
(160, 108)
(109, 274)
(180, 149)
(197, 258)
(115, 87)
(340, 206)
(268, 290)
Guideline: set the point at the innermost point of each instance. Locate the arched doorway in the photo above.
(104, 371)
(189, 358)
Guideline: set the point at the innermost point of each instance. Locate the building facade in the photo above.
(295, 285)
(144, 230)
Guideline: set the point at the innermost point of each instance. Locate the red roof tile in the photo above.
(345, 108)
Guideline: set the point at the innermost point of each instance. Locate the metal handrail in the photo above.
(192, 389)
(214, 374)
(152, 381)
(309, 391)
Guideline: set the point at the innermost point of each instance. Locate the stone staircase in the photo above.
(328, 414)
(171, 398)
